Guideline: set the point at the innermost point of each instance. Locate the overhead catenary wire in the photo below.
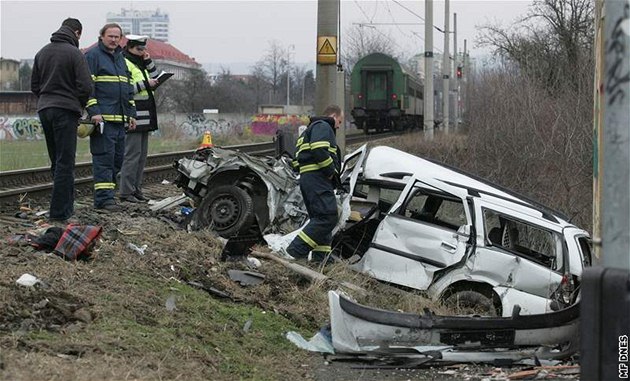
(373, 24)
(415, 14)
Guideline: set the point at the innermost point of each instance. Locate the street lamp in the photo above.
(291, 48)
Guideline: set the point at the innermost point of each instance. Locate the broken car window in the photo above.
(525, 239)
(435, 209)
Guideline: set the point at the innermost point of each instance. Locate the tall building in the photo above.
(148, 23)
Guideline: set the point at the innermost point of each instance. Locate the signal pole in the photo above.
(455, 83)
(428, 68)
(326, 81)
(446, 69)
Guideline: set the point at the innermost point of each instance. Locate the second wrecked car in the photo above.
(407, 221)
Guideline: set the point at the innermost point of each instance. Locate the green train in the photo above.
(384, 96)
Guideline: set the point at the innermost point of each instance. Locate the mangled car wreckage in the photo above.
(408, 221)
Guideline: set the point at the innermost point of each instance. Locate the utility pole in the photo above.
(428, 68)
(327, 21)
(605, 303)
(291, 47)
(455, 83)
(614, 154)
(341, 102)
(446, 69)
(463, 79)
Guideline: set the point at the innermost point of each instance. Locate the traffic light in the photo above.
(459, 72)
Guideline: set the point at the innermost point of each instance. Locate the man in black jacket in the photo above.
(61, 80)
(318, 160)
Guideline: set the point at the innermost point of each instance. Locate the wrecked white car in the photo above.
(237, 194)
(411, 222)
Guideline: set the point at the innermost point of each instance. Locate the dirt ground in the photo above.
(168, 311)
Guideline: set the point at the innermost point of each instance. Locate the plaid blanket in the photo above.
(76, 242)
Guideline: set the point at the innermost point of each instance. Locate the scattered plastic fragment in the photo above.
(321, 342)
(254, 262)
(246, 278)
(170, 304)
(27, 280)
(139, 250)
(247, 325)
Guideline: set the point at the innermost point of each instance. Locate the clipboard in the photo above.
(163, 77)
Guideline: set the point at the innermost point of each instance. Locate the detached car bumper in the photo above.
(360, 329)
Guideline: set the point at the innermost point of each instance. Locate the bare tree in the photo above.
(530, 115)
(233, 94)
(303, 86)
(259, 84)
(189, 95)
(552, 44)
(272, 67)
(362, 40)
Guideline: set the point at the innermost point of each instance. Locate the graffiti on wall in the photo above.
(266, 124)
(191, 125)
(196, 124)
(20, 128)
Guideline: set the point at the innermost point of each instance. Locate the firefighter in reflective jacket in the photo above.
(318, 161)
(111, 106)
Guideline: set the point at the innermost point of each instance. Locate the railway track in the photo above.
(37, 182)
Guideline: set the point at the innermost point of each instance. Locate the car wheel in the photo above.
(226, 209)
(470, 302)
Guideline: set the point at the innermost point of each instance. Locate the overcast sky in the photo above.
(240, 31)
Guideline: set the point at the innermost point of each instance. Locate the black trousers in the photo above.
(60, 129)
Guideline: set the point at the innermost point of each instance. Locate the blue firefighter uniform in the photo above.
(112, 98)
(318, 160)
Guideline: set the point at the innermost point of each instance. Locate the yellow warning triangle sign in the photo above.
(327, 48)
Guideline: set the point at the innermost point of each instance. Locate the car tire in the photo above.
(226, 209)
(471, 302)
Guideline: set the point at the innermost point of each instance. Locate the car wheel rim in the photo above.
(225, 211)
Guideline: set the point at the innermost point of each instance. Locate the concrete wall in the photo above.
(172, 126)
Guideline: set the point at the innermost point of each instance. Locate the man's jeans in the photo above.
(60, 129)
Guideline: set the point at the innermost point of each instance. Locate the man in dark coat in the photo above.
(61, 81)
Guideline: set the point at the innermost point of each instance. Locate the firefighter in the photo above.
(318, 160)
(112, 108)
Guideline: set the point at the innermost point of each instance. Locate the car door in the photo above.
(532, 263)
(409, 246)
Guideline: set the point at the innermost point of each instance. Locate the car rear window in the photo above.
(526, 239)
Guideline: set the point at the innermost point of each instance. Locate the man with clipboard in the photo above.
(145, 80)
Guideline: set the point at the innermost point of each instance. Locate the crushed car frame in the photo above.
(408, 221)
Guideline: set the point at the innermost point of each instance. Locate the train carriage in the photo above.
(385, 96)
